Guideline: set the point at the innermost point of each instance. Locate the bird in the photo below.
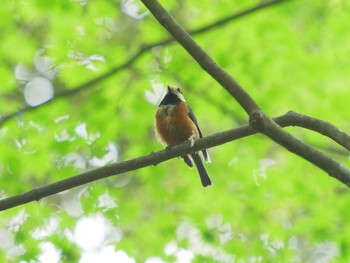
(176, 123)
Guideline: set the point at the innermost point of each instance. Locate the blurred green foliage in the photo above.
(266, 204)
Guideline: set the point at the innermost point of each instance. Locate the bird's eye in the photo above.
(179, 90)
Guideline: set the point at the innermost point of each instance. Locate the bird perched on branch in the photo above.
(175, 123)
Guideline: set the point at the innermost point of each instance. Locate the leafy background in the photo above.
(266, 204)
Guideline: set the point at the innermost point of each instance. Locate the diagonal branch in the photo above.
(289, 119)
(201, 57)
(89, 84)
(258, 120)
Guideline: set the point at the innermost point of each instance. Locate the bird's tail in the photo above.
(201, 170)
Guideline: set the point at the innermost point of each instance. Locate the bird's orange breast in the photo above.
(173, 124)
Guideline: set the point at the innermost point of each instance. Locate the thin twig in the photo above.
(71, 92)
(89, 84)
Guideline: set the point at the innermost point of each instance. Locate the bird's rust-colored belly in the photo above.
(174, 126)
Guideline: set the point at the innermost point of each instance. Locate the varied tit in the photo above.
(175, 123)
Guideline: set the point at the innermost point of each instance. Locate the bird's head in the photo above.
(173, 90)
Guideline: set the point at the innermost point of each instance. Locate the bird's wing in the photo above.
(193, 118)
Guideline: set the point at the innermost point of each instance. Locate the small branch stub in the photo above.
(257, 121)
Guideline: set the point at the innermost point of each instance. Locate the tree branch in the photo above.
(325, 128)
(71, 92)
(136, 56)
(289, 119)
(258, 120)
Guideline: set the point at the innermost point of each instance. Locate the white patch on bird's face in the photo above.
(177, 91)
